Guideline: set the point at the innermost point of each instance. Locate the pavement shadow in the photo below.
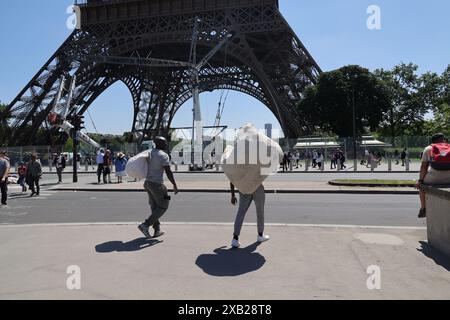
(438, 257)
(119, 246)
(231, 262)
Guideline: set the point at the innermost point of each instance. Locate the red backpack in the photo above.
(440, 156)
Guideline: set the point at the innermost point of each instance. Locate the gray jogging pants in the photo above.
(245, 200)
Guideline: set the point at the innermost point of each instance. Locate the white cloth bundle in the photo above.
(137, 166)
(251, 160)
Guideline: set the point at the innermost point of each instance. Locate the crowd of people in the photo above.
(29, 174)
(291, 160)
(105, 161)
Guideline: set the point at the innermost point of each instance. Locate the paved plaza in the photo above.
(194, 261)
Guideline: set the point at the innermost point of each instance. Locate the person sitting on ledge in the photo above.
(435, 170)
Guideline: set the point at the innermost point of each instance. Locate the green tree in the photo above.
(441, 108)
(440, 123)
(411, 97)
(5, 130)
(329, 104)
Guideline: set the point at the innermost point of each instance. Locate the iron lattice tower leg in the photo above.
(265, 59)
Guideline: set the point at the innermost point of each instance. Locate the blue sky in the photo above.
(334, 31)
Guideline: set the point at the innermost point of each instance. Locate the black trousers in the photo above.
(34, 185)
(100, 169)
(59, 172)
(4, 190)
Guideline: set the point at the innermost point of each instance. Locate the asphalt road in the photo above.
(85, 207)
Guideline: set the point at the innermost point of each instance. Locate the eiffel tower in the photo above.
(264, 59)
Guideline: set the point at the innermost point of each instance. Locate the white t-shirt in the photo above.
(156, 163)
(100, 157)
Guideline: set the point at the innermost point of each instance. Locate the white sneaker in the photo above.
(264, 238)
(235, 243)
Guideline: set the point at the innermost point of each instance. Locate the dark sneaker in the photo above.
(158, 234)
(422, 213)
(144, 229)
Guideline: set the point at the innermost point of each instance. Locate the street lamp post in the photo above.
(355, 160)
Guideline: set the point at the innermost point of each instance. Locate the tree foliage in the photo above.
(412, 97)
(5, 131)
(329, 104)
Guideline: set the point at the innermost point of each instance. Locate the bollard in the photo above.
(407, 164)
(176, 167)
(291, 166)
(339, 165)
(217, 167)
(373, 165)
(389, 164)
(86, 166)
(306, 165)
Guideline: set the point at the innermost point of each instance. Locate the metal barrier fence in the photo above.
(17, 155)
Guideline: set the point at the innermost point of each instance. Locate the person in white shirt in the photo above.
(100, 165)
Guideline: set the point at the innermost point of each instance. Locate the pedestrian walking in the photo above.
(4, 173)
(314, 158)
(59, 161)
(404, 156)
(245, 200)
(341, 159)
(100, 165)
(120, 163)
(22, 171)
(320, 159)
(34, 174)
(158, 162)
(107, 164)
(333, 160)
(285, 162)
(397, 157)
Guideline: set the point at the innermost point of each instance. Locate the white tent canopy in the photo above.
(317, 145)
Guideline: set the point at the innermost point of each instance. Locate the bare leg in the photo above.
(423, 204)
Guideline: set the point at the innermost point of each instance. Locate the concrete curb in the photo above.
(368, 185)
(268, 191)
(211, 224)
(280, 172)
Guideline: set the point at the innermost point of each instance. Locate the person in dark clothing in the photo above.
(59, 162)
(397, 157)
(22, 171)
(34, 174)
(403, 157)
(285, 162)
(4, 172)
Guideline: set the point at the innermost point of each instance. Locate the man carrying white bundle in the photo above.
(245, 200)
(158, 162)
(253, 158)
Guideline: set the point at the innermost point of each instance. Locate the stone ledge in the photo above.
(441, 191)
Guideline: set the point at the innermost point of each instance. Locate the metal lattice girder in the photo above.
(264, 59)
